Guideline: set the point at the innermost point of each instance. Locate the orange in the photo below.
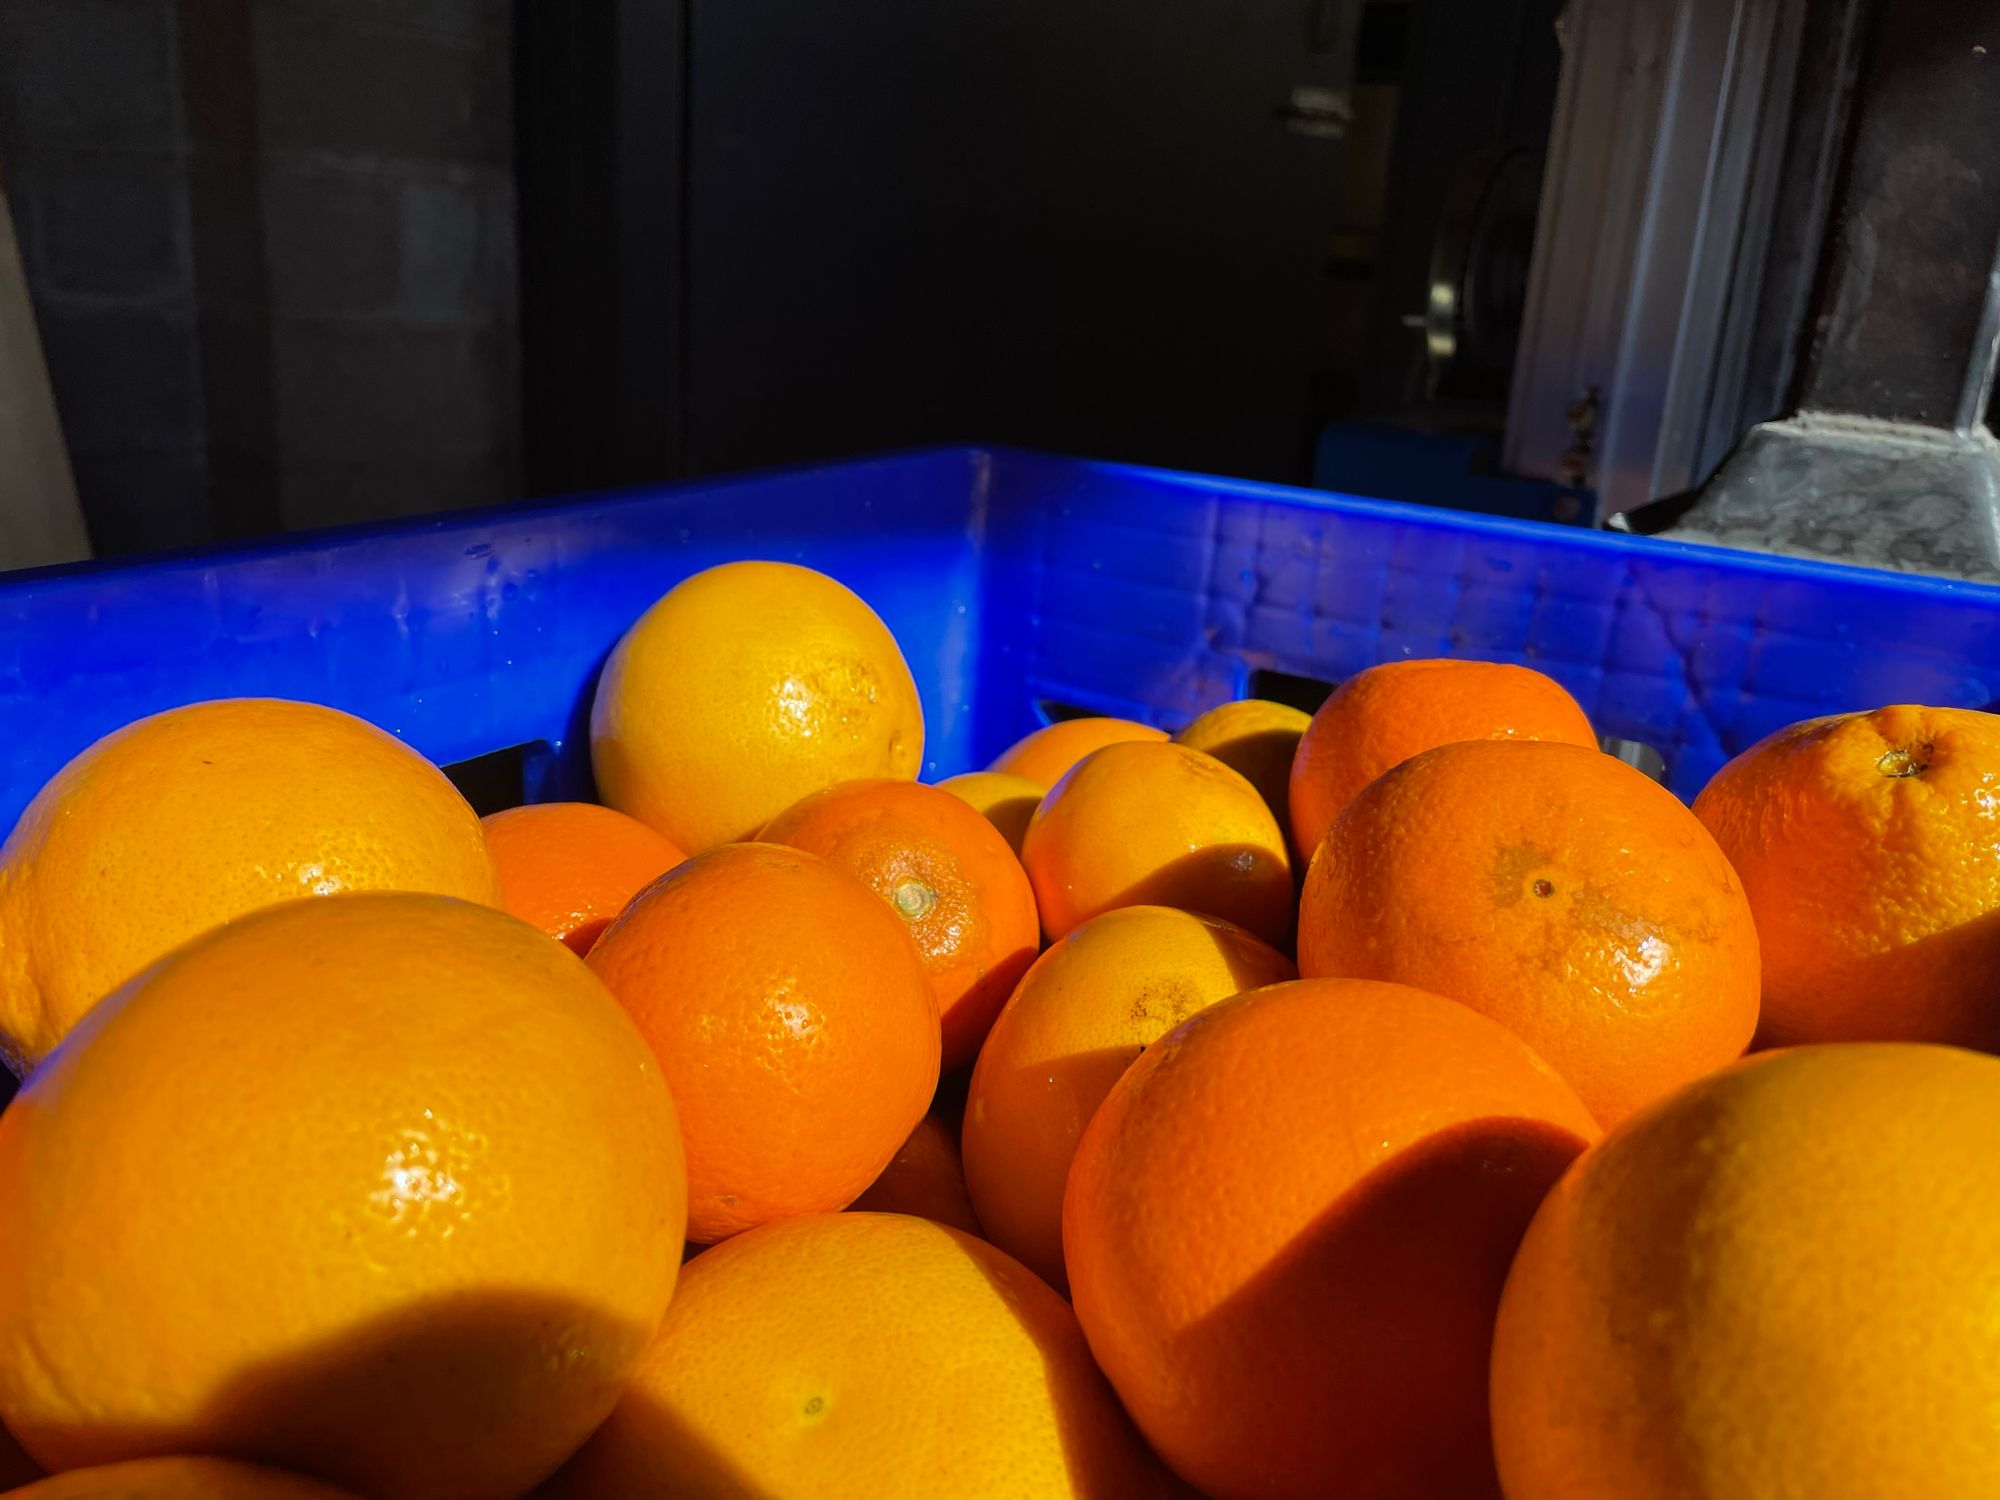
(1379, 718)
(1087, 1008)
(1287, 1229)
(1003, 799)
(1778, 1282)
(200, 814)
(1555, 889)
(793, 1019)
(385, 1188)
(868, 1355)
(568, 868)
(947, 873)
(740, 691)
(925, 1179)
(1869, 845)
(180, 1479)
(1158, 825)
(1045, 754)
(1258, 740)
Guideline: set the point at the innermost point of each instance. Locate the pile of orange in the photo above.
(1353, 1103)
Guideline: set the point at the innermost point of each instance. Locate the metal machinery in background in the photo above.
(1765, 303)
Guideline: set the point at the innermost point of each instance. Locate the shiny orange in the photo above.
(1258, 740)
(384, 1187)
(1287, 1228)
(793, 1019)
(1555, 889)
(194, 816)
(926, 1179)
(868, 1355)
(180, 1479)
(1381, 717)
(1779, 1282)
(1043, 755)
(1158, 825)
(1087, 1008)
(1869, 845)
(741, 690)
(948, 876)
(568, 868)
(1003, 799)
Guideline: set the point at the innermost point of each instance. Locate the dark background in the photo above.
(298, 262)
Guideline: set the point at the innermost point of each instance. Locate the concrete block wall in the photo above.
(385, 163)
(271, 248)
(95, 152)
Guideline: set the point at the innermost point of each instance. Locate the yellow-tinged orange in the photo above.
(868, 1355)
(180, 1479)
(197, 815)
(1287, 1228)
(1003, 799)
(744, 688)
(1381, 717)
(949, 877)
(568, 868)
(384, 1187)
(794, 1021)
(1158, 825)
(926, 1179)
(1043, 755)
(1569, 897)
(1869, 846)
(1087, 1008)
(1779, 1282)
(1259, 740)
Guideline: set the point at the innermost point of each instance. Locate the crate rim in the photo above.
(982, 460)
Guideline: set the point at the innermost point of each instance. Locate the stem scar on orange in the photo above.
(1571, 898)
(1869, 845)
(949, 877)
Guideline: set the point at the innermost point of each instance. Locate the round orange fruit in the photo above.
(1043, 755)
(194, 816)
(1287, 1228)
(1379, 718)
(1777, 1282)
(179, 1479)
(1555, 889)
(925, 1179)
(1088, 1007)
(865, 1354)
(1869, 845)
(1258, 740)
(385, 1188)
(949, 877)
(568, 868)
(743, 689)
(794, 1021)
(1003, 799)
(1158, 825)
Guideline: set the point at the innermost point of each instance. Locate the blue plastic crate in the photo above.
(1011, 580)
